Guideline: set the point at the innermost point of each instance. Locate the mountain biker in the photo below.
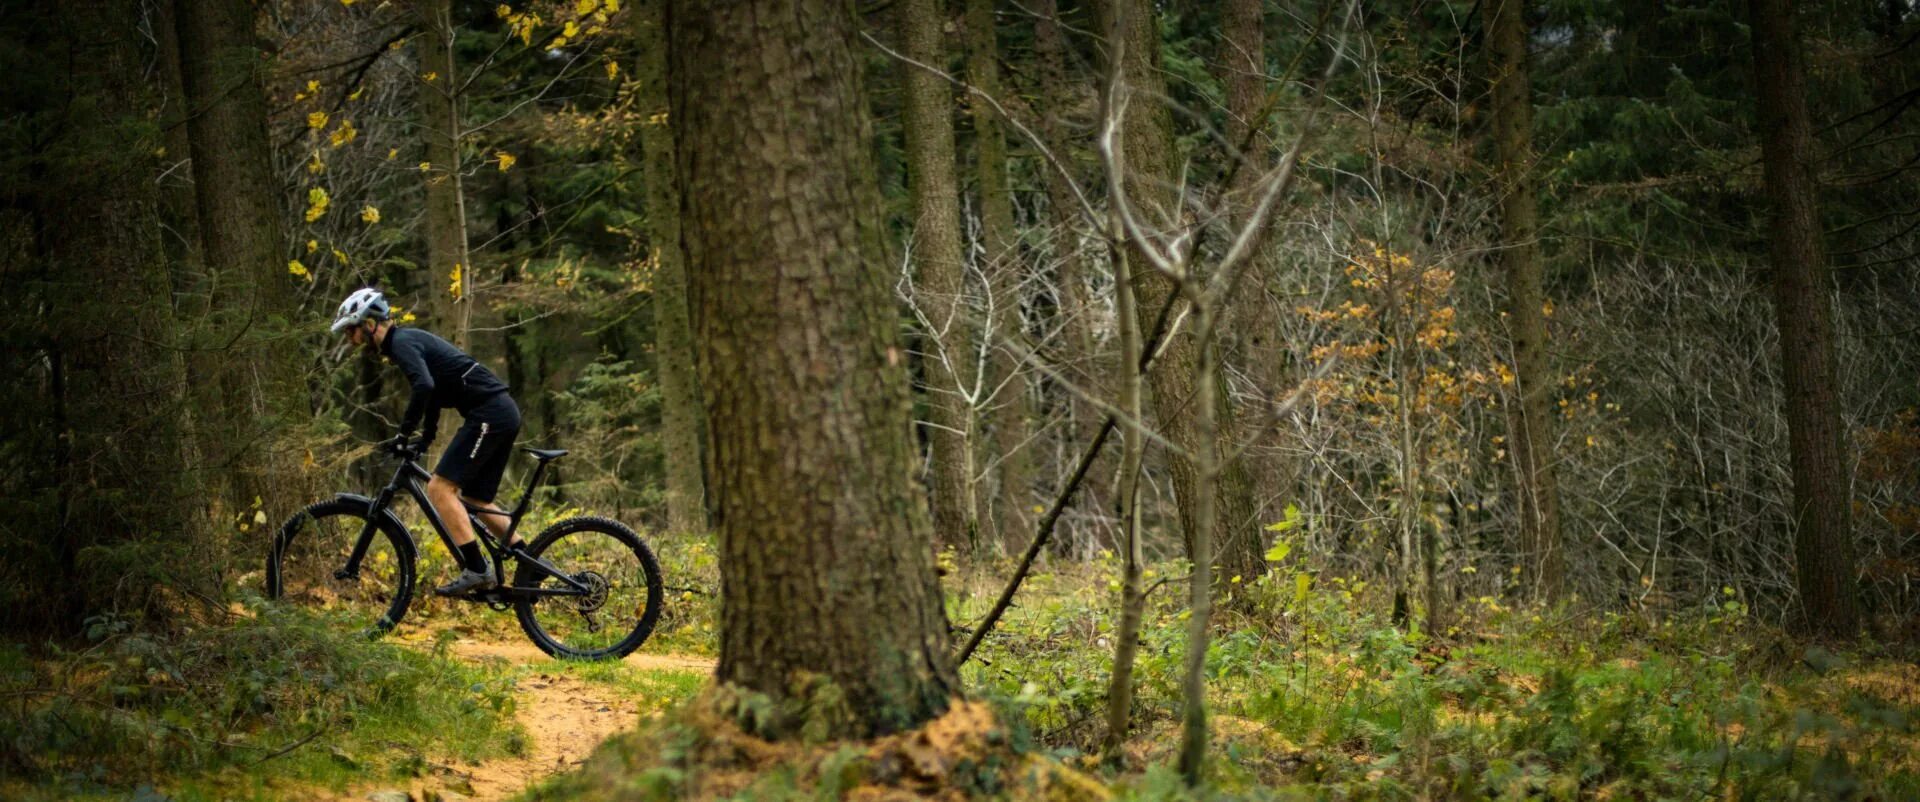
(442, 376)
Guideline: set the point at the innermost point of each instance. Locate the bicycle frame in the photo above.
(410, 477)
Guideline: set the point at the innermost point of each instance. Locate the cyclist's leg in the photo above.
(496, 523)
(458, 466)
(489, 456)
(445, 495)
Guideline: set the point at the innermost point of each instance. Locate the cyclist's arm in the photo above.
(421, 379)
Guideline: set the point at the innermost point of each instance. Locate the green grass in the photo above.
(246, 710)
(1314, 697)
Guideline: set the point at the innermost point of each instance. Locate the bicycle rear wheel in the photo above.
(624, 579)
(307, 563)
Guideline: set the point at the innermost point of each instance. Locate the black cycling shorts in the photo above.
(478, 454)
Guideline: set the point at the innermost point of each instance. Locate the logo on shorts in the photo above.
(478, 440)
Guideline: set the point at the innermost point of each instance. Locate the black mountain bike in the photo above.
(586, 588)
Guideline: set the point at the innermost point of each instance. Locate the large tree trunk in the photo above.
(950, 342)
(680, 412)
(450, 278)
(1150, 158)
(239, 214)
(1822, 512)
(124, 517)
(826, 561)
(1530, 422)
(1251, 337)
(1003, 270)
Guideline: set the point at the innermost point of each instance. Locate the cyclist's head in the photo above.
(360, 313)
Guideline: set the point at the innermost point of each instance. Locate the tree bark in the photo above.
(1150, 157)
(1822, 509)
(1133, 597)
(242, 239)
(1530, 421)
(449, 274)
(826, 561)
(1243, 64)
(1012, 407)
(951, 340)
(681, 415)
(1080, 350)
(125, 490)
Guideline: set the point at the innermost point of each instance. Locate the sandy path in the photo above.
(565, 718)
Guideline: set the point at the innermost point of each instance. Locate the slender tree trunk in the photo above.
(826, 564)
(449, 273)
(1148, 140)
(1193, 685)
(951, 340)
(1080, 350)
(125, 492)
(1012, 405)
(240, 227)
(680, 413)
(1530, 421)
(1822, 514)
(1133, 446)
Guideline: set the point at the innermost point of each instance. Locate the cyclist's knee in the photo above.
(442, 487)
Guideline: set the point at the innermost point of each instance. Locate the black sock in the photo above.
(470, 554)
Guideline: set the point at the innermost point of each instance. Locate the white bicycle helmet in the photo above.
(364, 304)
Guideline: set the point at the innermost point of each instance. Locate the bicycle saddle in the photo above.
(544, 454)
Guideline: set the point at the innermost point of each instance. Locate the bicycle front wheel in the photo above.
(307, 566)
(621, 603)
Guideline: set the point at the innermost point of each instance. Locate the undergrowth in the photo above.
(1314, 697)
(273, 699)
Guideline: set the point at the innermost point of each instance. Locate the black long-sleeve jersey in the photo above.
(441, 375)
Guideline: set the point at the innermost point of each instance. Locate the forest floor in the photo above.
(565, 711)
(1314, 694)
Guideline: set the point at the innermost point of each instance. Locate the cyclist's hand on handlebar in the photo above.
(399, 445)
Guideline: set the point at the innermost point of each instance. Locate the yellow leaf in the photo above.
(316, 204)
(454, 288)
(343, 134)
(317, 120)
(430, 77)
(313, 245)
(571, 30)
(425, 166)
(369, 214)
(503, 10)
(506, 160)
(613, 6)
(315, 166)
(585, 7)
(296, 268)
(339, 256)
(392, 152)
(1302, 585)
(613, 70)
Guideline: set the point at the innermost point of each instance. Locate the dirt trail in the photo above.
(565, 718)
